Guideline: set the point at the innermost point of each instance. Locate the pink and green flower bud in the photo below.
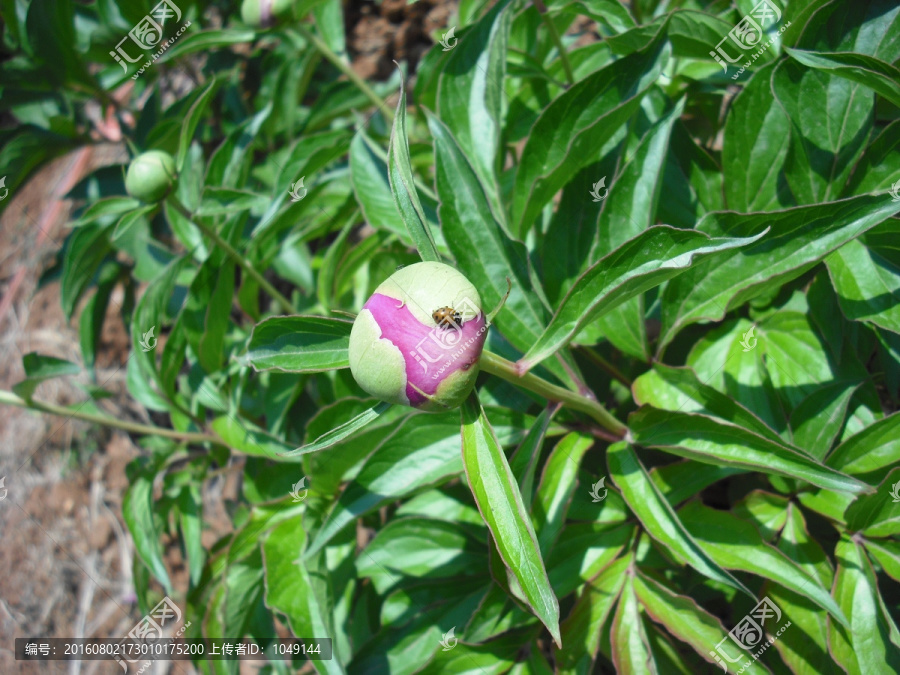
(264, 13)
(399, 351)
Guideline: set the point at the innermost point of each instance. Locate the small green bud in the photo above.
(150, 176)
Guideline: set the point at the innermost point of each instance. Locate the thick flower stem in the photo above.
(187, 436)
(497, 365)
(249, 269)
(342, 66)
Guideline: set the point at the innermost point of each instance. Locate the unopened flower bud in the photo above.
(264, 13)
(418, 339)
(150, 176)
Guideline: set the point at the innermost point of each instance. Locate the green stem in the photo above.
(497, 365)
(607, 366)
(557, 40)
(10, 398)
(249, 269)
(345, 68)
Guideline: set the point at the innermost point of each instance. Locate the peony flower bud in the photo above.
(264, 13)
(418, 339)
(150, 176)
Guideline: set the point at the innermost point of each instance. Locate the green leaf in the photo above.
(300, 344)
(867, 285)
(719, 442)
(249, 439)
(887, 553)
(39, 368)
(877, 515)
(578, 122)
(343, 431)
(657, 516)
(737, 545)
(130, 220)
(93, 316)
(137, 510)
(873, 448)
(757, 135)
(403, 187)
(106, 209)
(557, 487)
(85, 251)
(630, 645)
(654, 256)
(191, 120)
(470, 96)
(630, 209)
(880, 77)
(767, 511)
(369, 175)
(679, 389)
(422, 450)
(290, 588)
(830, 121)
(680, 614)
(818, 418)
(583, 550)
(581, 631)
(190, 516)
(420, 548)
(500, 503)
(206, 40)
(802, 236)
(524, 461)
(865, 646)
(218, 201)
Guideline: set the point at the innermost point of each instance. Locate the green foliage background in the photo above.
(732, 301)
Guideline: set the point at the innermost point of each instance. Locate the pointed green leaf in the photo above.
(865, 646)
(578, 122)
(867, 285)
(719, 442)
(343, 431)
(737, 545)
(873, 448)
(497, 495)
(680, 614)
(470, 97)
(882, 78)
(403, 187)
(799, 237)
(191, 120)
(658, 517)
(630, 646)
(654, 256)
(557, 486)
(878, 515)
(300, 344)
